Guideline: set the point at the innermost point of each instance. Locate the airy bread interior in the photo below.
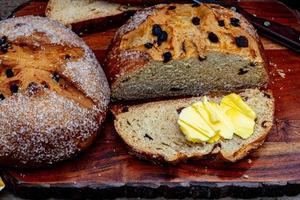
(189, 77)
(151, 129)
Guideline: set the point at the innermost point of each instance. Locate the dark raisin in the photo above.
(67, 57)
(45, 84)
(3, 40)
(156, 30)
(2, 97)
(183, 47)
(125, 79)
(148, 136)
(33, 88)
(19, 25)
(195, 5)
(55, 76)
(9, 73)
(196, 21)
(4, 48)
(242, 71)
(175, 89)
(202, 58)
(148, 45)
(241, 41)
(14, 88)
(179, 110)
(125, 109)
(167, 57)
(213, 37)
(264, 124)
(162, 37)
(221, 23)
(171, 7)
(253, 64)
(32, 85)
(267, 95)
(234, 22)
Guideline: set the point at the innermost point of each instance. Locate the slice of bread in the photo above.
(152, 132)
(88, 14)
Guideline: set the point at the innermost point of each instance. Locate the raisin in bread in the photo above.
(152, 132)
(87, 15)
(53, 93)
(183, 49)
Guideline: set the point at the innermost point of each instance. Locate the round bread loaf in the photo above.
(53, 93)
(184, 49)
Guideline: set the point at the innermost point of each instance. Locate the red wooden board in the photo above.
(107, 170)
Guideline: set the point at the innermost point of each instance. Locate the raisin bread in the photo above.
(184, 49)
(53, 93)
(88, 15)
(151, 129)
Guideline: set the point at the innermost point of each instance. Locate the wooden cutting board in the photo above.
(107, 170)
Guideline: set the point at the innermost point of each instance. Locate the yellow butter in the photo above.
(193, 119)
(207, 121)
(243, 125)
(236, 102)
(2, 185)
(192, 134)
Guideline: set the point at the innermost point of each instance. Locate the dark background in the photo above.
(294, 4)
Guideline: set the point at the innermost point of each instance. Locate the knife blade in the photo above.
(279, 33)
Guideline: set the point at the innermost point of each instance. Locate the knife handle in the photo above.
(279, 33)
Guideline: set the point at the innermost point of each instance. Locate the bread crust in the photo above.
(42, 125)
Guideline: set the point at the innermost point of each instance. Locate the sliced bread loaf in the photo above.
(182, 49)
(88, 14)
(152, 132)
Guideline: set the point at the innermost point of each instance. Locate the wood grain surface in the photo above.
(107, 170)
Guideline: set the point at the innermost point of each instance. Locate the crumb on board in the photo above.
(272, 64)
(281, 73)
(245, 176)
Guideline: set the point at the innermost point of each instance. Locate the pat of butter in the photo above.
(241, 115)
(206, 121)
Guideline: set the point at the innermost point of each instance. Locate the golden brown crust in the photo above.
(184, 40)
(54, 94)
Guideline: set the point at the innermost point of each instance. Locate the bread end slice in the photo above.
(151, 129)
(88, 15)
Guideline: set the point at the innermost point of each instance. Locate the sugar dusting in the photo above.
(46, 127)
(43, 128)
(137, 20)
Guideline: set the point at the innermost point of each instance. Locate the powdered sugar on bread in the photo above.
(41, 126)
